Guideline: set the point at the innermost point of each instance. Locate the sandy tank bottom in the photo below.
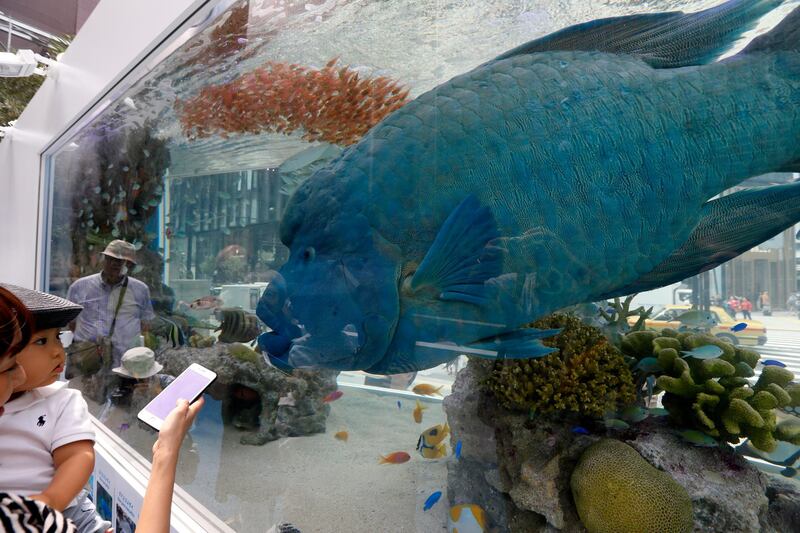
(316, 483)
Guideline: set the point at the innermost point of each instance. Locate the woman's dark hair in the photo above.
(16, 324)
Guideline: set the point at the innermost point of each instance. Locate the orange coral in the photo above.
(331, 104)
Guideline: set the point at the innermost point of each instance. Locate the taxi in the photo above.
(754, 334)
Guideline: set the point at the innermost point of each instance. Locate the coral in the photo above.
(714, 395)
(587, 375)
(332, 104)
(616, 490)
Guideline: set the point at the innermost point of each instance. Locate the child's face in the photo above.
(42, 359)
(11, 376)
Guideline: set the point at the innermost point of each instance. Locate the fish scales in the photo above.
(558, 175)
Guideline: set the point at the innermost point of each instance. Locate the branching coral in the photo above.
(332, 104)
(587, 375)
(714, 395)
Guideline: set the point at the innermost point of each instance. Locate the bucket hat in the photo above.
(138, 363)
(48, 310)
(120, 249)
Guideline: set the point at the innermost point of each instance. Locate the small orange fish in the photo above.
(417, 413)
(335, 395)
(426, 389)
(394, 458)
(207, 302)
(341, 435)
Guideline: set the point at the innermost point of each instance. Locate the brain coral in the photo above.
(587, 375)
(617, 491)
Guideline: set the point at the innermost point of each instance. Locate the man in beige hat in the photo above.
(116, 307)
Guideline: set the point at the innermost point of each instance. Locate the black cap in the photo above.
(48, 310)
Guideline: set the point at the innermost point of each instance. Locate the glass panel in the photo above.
(339, 207)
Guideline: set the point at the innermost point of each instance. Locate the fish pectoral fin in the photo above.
(662, 40)
(519, 344)
(461, 258)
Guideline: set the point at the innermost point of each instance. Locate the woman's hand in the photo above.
(176, 426)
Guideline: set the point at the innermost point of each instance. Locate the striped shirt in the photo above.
(23, 515)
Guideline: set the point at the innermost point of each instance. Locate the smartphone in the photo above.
(189, 386)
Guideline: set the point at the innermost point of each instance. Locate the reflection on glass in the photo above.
(339, 207)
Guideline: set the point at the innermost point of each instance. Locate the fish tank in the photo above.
(452, 261)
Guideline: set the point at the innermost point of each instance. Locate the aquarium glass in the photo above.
(338, 205)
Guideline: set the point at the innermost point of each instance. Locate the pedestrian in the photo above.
(746, 306)
(733, 305)
(763, 299)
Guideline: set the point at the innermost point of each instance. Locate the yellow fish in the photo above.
(430, 444)
(418, 412)
(466, 518)
(341, 435)
(427, 389)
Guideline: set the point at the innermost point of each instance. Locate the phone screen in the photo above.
(188, 386)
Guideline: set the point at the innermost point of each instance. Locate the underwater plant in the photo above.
(712, 394)
(332, 104)
(587, 376)
(616, 490)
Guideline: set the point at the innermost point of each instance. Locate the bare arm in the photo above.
(74, 463)
(155, 515)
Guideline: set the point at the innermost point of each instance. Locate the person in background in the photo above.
(763, 300)
(733, 305)
(23, 514)
(116, 306)
(746, 306)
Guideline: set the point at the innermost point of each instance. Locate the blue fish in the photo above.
(709, 351)
(496, 197)
(399, 405)
(651, 384)
(739, 327)
(772, 362)
(580, 430)
(458, 450)
(432, 499)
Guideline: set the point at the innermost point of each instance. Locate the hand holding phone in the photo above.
(188, 386)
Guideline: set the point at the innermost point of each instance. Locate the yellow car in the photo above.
(753, 335)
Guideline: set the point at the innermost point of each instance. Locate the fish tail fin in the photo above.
(383, 460)
(785, 36)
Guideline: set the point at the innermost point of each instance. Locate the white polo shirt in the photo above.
(34, 425)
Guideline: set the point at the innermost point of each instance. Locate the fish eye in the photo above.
(434, 432)
(309, 254)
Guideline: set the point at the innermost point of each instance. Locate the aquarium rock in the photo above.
(521, 471)
(250, 391)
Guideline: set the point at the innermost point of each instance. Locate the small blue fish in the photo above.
(658, 411)
(432, 499)
(124, 427)
(399, 405)
(709, 351)
(739, 327)
(634, 413)
(789, 471)
(580, 430)
(772, 362)
(458, 450)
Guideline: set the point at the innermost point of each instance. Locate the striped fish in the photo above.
(238, 326)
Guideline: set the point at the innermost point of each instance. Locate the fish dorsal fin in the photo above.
(460, 260)
(663, 40)
(725, 231)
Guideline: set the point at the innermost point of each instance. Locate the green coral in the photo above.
(616, 490)
(587, 375)
(714, 395)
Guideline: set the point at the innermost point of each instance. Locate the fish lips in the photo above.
(352, 348)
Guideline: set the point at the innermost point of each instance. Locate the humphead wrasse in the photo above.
(569, 168)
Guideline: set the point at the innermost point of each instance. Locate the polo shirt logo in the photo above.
(41, 421)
